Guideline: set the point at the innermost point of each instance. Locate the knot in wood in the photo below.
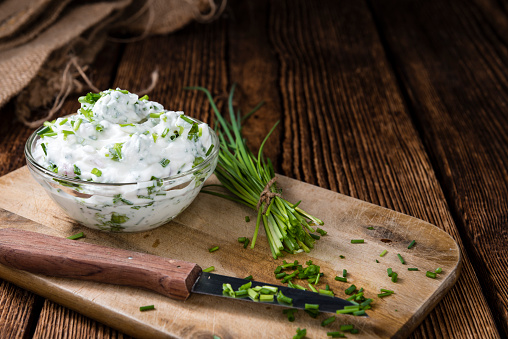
(266, 196)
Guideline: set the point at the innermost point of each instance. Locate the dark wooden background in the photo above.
(399, 103)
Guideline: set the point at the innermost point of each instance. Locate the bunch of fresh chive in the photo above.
(245, 175)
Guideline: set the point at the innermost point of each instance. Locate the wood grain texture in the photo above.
(347, 128)
(199, 227)
(65, 258)
(57, 321)
(452, 58)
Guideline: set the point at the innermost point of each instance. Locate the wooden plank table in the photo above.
(402, 104)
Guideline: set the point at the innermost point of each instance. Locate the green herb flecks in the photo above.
(90, 98)
(251, 180)
(76, 236)
(147, 308)
(97, 172)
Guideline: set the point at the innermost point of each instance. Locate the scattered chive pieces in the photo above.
(246, 243)
(354, 331)
(209, 269)
(280, 275)
(389, 271)
(315, 236)
(266, 297)
(357, 241)
(384, 294)
(344, 273)
(147, 308)
(350, 289)
(347, 311)
(213, 249)
(347, 327)
(321, 231)
(328, 321)
(311, 306)
(164, 162)
(342, 279)
(395, 277)
(76, 236)
(336, 334)
(385, 290)
(370, 228)
(411, 244)
(360, 312)
(97, 172)
(431, 274)
(383, 253)
(412, 269)
(144, 97)
(300, 333)
(44, 148)
(366, 303)
(342, 257)
(438, 270)
(290, 313)
(209, 150)
(326, 292)
(377, 261)
(247, 218)
(401, 259)
(242, 239)
(248, 278)
(313, 289)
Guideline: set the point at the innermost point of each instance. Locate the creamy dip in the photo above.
(117, 137)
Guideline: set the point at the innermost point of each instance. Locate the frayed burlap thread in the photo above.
(267, 195)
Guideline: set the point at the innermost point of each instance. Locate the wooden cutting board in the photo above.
(213, 221)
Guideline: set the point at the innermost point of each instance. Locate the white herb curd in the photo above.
(122, 163)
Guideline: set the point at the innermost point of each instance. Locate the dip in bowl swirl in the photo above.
(122, 163)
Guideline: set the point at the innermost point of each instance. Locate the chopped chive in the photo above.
(246, 243)
(347, 311)
(385, 290)
(44, 148)
(209, 269)
(312, 307)
(347, 327)
(321, 231)
(366, 303)
(313, 289)
(213, 249)
(242, 239)
(144, 97)
(370, 228)
(282, 299)
(385, 294)
(389, 271)
(266, 297)
(249, 277)
(328, 321)
(155, 136)
(344, 273)
(156, 115)
(438, 270)
(395, 277)
(352, 307)
(164, 162)
(342, 279)
(377, 261)
(125, 125)
(383, 253)
(401, 259)
(77, 171)
(357, 241)
(278, 270)
(342, 257)
(336, 334)
(97, 172)
(147, 308)
(76, 236)
(315, 236)
(241, 293)
(290, 313)
(184, 118)
(326, 292)
(431, 274)
(280, 275)
(412, 269)
(350, 289)
(360, 312)
(354, 331)
(411, 244)
(247, 218)
(300, 333)
(63, 121)
(209, 150)
(328, 287)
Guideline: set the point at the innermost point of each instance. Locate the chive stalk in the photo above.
(401, 259)
(76, 236)
(411, 244)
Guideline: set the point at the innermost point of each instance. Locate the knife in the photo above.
(59, 257)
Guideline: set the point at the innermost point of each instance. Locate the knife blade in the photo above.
(60, 257)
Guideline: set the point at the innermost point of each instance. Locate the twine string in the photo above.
(266, 196)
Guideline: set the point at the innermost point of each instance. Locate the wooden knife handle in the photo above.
(60, 257)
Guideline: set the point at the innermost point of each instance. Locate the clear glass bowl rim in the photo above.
(31, 140)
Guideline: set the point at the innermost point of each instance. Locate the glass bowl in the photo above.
(123, 207)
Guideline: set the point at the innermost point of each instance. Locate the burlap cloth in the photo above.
(46, 45)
